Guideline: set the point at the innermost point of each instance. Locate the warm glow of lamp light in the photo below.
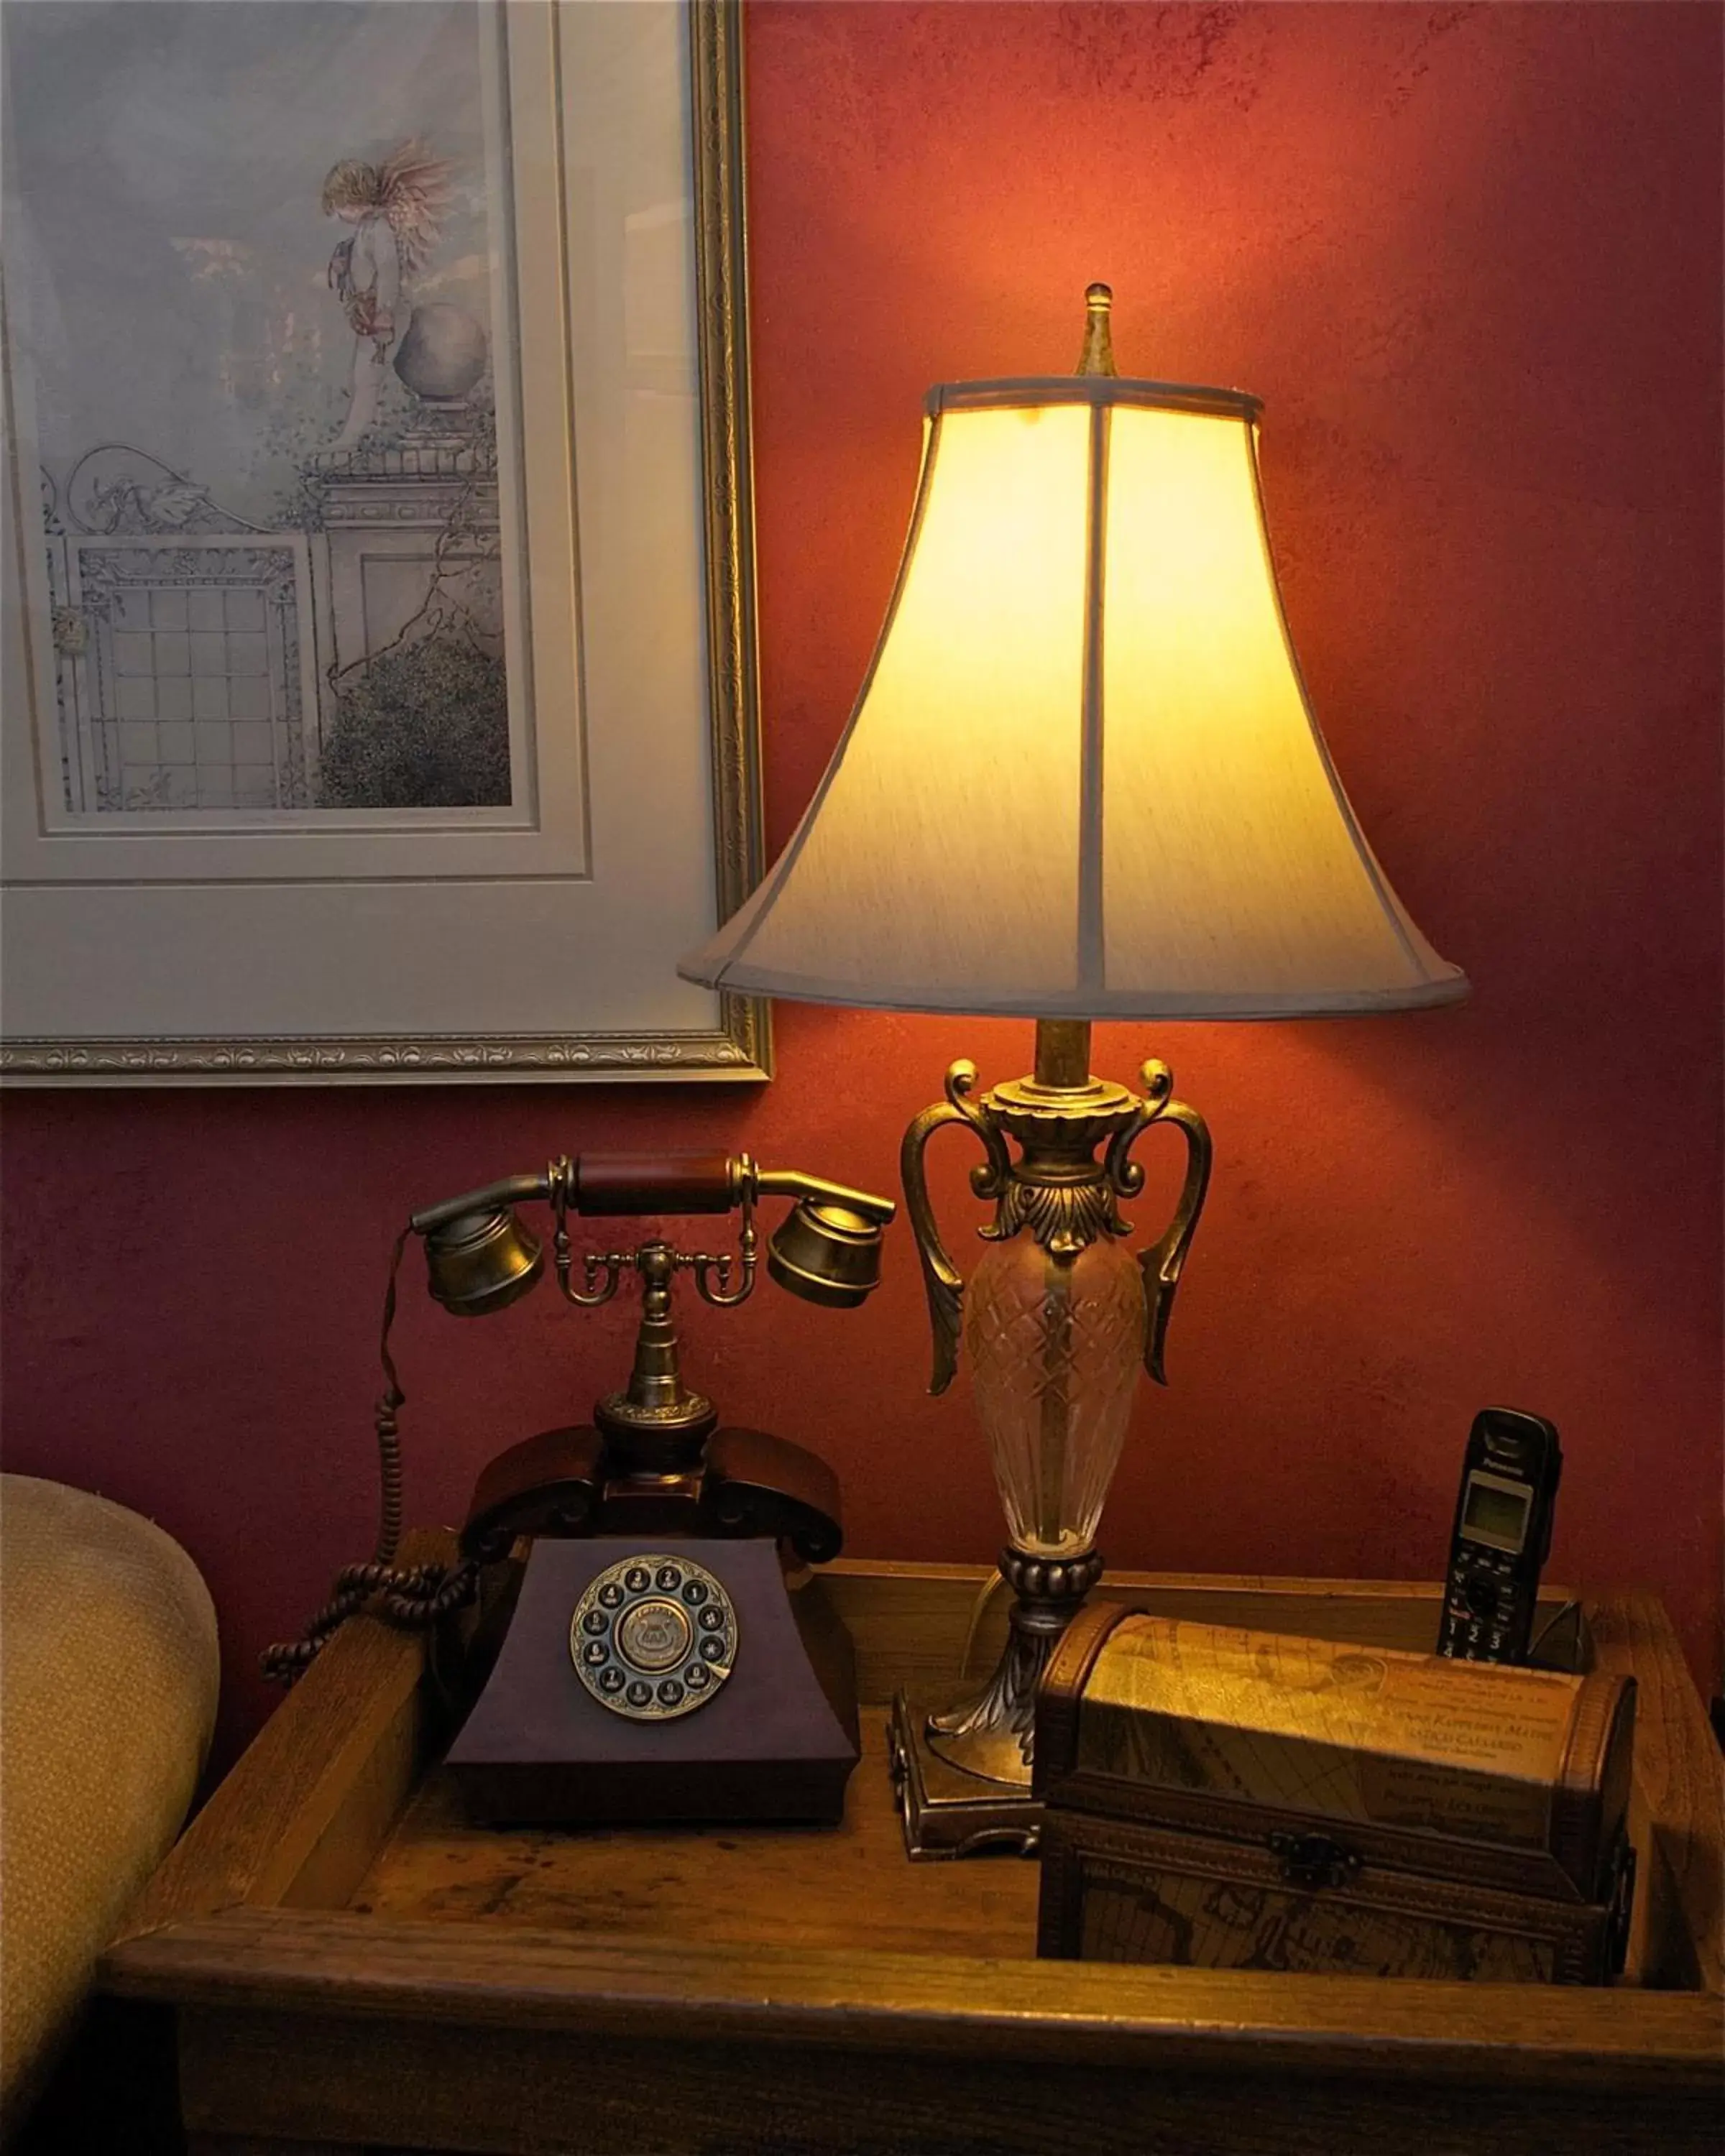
(1081, 781)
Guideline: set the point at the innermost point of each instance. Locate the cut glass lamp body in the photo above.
(1055, 1350)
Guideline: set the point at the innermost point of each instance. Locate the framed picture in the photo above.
(379, 691)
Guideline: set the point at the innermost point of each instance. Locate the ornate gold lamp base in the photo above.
(1057, 1319)
(946, 1812)
(963, 1772)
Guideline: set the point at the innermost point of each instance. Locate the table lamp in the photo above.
(1082, 781)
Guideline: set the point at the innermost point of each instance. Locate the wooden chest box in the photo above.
(1227, 1799)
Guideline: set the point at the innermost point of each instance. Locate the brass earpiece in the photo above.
(482, 1261)
(826, 1252)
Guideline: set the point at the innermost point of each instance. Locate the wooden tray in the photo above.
(353, 1966)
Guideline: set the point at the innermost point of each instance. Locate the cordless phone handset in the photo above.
(1501, 1537)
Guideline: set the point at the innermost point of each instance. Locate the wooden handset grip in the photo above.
(607, 1183)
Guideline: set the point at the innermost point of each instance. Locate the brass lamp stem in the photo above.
(1063, 1051)
(1062, 1064)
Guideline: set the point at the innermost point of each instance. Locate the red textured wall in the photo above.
(1470, 258)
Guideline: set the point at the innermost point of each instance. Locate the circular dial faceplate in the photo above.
(654, 1636)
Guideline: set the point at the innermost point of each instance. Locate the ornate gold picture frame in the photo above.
(379, 659)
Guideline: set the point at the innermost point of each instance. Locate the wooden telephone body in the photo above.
(654, 1487)
(570, 1481)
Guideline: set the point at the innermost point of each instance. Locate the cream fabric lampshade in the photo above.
(1082, 779)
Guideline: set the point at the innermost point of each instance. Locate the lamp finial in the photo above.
(1097, 356)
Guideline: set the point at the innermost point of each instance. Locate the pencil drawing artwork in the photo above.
(393, 210)
(269, 469)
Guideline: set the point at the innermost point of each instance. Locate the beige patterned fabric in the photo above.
(108, 1677)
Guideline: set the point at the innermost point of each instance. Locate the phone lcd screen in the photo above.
(1495, 1514)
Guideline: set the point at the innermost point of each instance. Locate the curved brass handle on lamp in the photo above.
(1066, 1207)
(941, 1278)
(1164, 1261)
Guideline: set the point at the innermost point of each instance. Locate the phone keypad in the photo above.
(653, 1637)
(1480, 1610)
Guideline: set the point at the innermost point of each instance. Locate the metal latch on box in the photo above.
(1312, 1860)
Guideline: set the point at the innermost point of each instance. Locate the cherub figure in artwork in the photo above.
(395, 209)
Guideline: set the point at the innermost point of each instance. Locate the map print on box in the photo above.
(1219, 1923)
(1399, 1739)
(251, 282)
(1222, 1797)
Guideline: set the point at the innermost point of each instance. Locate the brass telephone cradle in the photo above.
(653, 1461)
(591, 1709)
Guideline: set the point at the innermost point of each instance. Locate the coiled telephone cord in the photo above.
(414, 1596)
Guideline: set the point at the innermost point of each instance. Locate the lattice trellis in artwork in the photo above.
(190, 691)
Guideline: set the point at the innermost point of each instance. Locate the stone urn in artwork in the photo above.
(442, 354)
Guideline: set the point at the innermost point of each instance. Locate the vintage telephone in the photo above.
(655, 1665)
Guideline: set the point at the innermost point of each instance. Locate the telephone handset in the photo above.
(1501, 1537)
(677, 1679)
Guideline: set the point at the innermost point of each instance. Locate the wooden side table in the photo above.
(351, 1966)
